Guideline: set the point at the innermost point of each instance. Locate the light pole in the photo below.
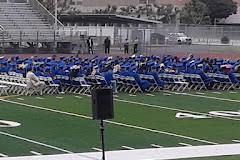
(55, 14)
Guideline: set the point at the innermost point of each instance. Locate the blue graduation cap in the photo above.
(179, 64)
(197, 58)
(198, 62)
(153, 56)
(220, 60)
(65, 59)
(61, 58)
(13, 63)
(87, 66)
(34, 58)
(150, 63)
(225, 62)
(218, 63)
(187, 64)
(95, 56)
(77, 62)
(43, 58)
(185, 61)
(61, 65)
(105, 58)
(192, 65)
(133, 64)
(138, 58)
(48, 68)
(174, 64)
(36, 66)
(133, 67)
(183, 58)
(232, 62)
(169, 57)
(215, 67)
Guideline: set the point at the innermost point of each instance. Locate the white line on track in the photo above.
(174, 109)
(36, 153)
(35, 142)
(112, 122)
(3, 155)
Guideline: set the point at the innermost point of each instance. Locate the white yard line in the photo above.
(217, 92)
(174, 109)
(36, 153)
(237, 141)
(166, 94)
(156, 146)
(185, 144)
(78, 96)
(208, 97)
(3, 155)
(40, 98)
(129, 148)
(150, 95)
(59, 97)
(200, 93)
(232, 92)
(35, 142)
(132, 95)
(112, 122)
(97, 149)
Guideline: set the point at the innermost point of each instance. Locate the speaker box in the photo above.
(102, 104)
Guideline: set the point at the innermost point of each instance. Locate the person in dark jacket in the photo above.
(90, 45)
(107, 44)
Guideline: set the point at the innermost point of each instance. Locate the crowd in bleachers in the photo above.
(131, 74)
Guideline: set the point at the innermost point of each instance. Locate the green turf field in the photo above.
(63, 123)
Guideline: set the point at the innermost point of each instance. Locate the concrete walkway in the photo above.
(146, 154)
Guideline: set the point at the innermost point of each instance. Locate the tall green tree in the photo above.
(63, 6)
(108, 10)
(167, 11)
(195, 13)
(220, 8)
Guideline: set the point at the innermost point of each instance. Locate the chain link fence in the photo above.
(152, 40)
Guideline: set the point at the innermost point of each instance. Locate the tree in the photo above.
(63, 6)
(220, 8)
(167, 11)
(195, 13)
(127, 10)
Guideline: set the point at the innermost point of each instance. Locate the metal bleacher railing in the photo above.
(45, 14)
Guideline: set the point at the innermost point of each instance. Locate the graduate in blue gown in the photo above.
(144, 84)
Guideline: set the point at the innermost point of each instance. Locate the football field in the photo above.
(59, 124)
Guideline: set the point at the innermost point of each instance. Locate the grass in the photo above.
(78, 134)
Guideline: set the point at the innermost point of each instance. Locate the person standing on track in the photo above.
(107, 44)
